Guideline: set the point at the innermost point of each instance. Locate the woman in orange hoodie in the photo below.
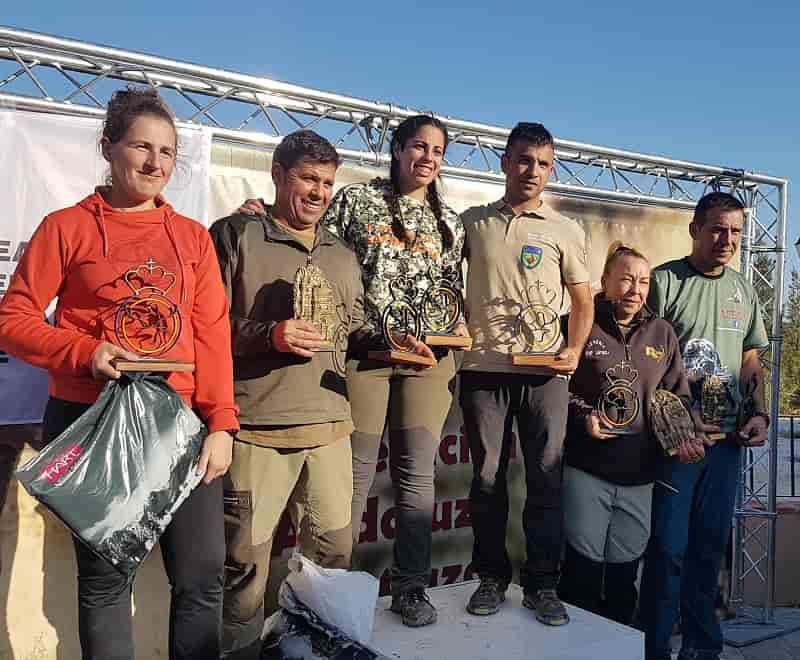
(93, 257)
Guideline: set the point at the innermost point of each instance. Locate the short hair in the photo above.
(715, 200)
(617, 250)
(305, 145)
(127, 105)
(531, 132)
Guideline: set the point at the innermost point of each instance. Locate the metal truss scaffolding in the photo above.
(49, 74)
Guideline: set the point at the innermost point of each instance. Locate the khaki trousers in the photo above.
(316, 486)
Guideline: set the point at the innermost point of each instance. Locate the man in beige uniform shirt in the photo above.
(294, 447)
(520, 250)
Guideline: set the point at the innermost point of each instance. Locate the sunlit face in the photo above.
(420, 159)
(627, 283)
(527, 168)
(303, 192)
(142, 161)
(718, 238)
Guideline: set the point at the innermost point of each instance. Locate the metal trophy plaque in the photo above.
(538, 328)
(400, 324)
(713, 403)
(618, 404)
(670, 421)
(441, 310)
(148, 323)
(314, 303)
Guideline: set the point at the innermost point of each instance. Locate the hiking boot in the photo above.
(547, 607)
(487, 597)
(414, 608)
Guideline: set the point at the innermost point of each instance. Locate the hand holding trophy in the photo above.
(148, 323)
(618, 404)
(401, 327)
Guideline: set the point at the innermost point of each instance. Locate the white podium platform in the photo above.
(511, 634)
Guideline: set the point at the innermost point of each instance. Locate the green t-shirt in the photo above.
(716, 320)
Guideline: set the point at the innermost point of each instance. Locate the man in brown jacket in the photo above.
(294, 447)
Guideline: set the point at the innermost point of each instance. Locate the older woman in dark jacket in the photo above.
(611, 456)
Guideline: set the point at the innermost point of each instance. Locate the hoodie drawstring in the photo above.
(101, 222)
(171, 234)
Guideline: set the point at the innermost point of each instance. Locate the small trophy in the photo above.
(747, 406)
(148, 323)
(713, 403)
(618, 404)
(400, 325)
(314, 303)
(538, 328)
(441, 310)
(671, 423)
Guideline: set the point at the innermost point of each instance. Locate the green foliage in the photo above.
(790, 357)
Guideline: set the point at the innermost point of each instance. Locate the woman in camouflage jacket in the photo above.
(400, 226)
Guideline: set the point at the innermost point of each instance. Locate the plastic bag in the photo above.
(296, 633)
(117, 475)
(342, 599)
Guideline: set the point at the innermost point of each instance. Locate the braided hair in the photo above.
(402, 134)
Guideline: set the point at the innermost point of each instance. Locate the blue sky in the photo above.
(711, 81)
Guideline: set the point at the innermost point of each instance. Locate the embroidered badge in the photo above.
(596, 348)
(531, 256)
(655, 352)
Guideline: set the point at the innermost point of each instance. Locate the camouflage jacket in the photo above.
(361, 215)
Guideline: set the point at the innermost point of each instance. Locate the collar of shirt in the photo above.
(505, 209)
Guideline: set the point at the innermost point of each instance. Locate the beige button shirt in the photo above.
(515, 260)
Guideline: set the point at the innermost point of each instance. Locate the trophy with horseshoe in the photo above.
(147, 322)
(441, 310)
(538, 328)
(401, 324)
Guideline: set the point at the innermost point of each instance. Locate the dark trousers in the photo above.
(193, 550)
(491, 403)
(605, 588)
(690, 531)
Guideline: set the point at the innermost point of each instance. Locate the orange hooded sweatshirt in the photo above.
(81, 255)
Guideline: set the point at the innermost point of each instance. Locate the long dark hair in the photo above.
(406, 130)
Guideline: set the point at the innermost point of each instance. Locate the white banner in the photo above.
(51, 162)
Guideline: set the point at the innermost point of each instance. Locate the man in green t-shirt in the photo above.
(716, 314)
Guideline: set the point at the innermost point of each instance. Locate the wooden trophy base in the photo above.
(540, 360)
(402, 357)
(153, 365)
(454, 342)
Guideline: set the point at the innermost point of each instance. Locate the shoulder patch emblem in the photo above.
(531, 256)
(655, 352)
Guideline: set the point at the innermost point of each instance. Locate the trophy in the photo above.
(148, 323)
(671, 423)
(618, 404)
(400, 325)
(441, 310)
(538, 328)
(747, 406)
(314, 303)
(713, 403)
